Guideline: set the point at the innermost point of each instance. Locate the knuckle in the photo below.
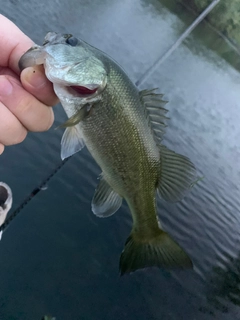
(46, 125)
(24, 105)
(11, 130)
(35, 115)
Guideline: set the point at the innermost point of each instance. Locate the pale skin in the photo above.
(25, 98)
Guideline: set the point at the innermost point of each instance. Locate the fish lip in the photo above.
(74, 96)
(33, 56)
(36, 54)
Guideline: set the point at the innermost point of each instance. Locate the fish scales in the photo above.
(120, 139)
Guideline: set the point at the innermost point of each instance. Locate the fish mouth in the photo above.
(34, 56)
(74, 93)
(37, 55)
(82, 91)
(88, 92)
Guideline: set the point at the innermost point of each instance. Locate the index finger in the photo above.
(13, 43)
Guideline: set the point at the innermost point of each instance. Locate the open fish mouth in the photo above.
(84, 91)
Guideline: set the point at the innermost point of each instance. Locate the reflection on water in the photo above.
(209, 36)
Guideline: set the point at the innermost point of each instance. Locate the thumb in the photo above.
(35, 82)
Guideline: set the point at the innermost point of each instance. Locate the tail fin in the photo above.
(160, 251)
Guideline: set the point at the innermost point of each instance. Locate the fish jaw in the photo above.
(34, 56)
(87, 73)
(79, 81)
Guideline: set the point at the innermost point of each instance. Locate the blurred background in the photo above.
(56, 256)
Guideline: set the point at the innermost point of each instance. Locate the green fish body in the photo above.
(123, 130)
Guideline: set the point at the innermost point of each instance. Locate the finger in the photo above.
(11, 130)
(1, 148)
(13, 43)
(33, 114)
(34, 81)
(7, 71)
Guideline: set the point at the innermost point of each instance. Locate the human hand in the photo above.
(25, 98)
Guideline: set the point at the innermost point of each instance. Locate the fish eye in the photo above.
(72, 41)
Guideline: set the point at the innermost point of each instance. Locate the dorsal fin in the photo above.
(155, 112)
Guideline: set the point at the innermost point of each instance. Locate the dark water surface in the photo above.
(56, 256)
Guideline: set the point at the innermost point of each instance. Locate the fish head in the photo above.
(70, 64)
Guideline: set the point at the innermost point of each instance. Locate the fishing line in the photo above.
(185, 34)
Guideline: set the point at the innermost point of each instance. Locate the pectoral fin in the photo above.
(105, 200)
(77, 117)
(72, 141)
(177, 174)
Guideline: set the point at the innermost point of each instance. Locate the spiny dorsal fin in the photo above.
(155, 112)
(105, 201)
(176, 176)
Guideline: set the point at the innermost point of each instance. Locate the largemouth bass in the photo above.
(123, 129)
